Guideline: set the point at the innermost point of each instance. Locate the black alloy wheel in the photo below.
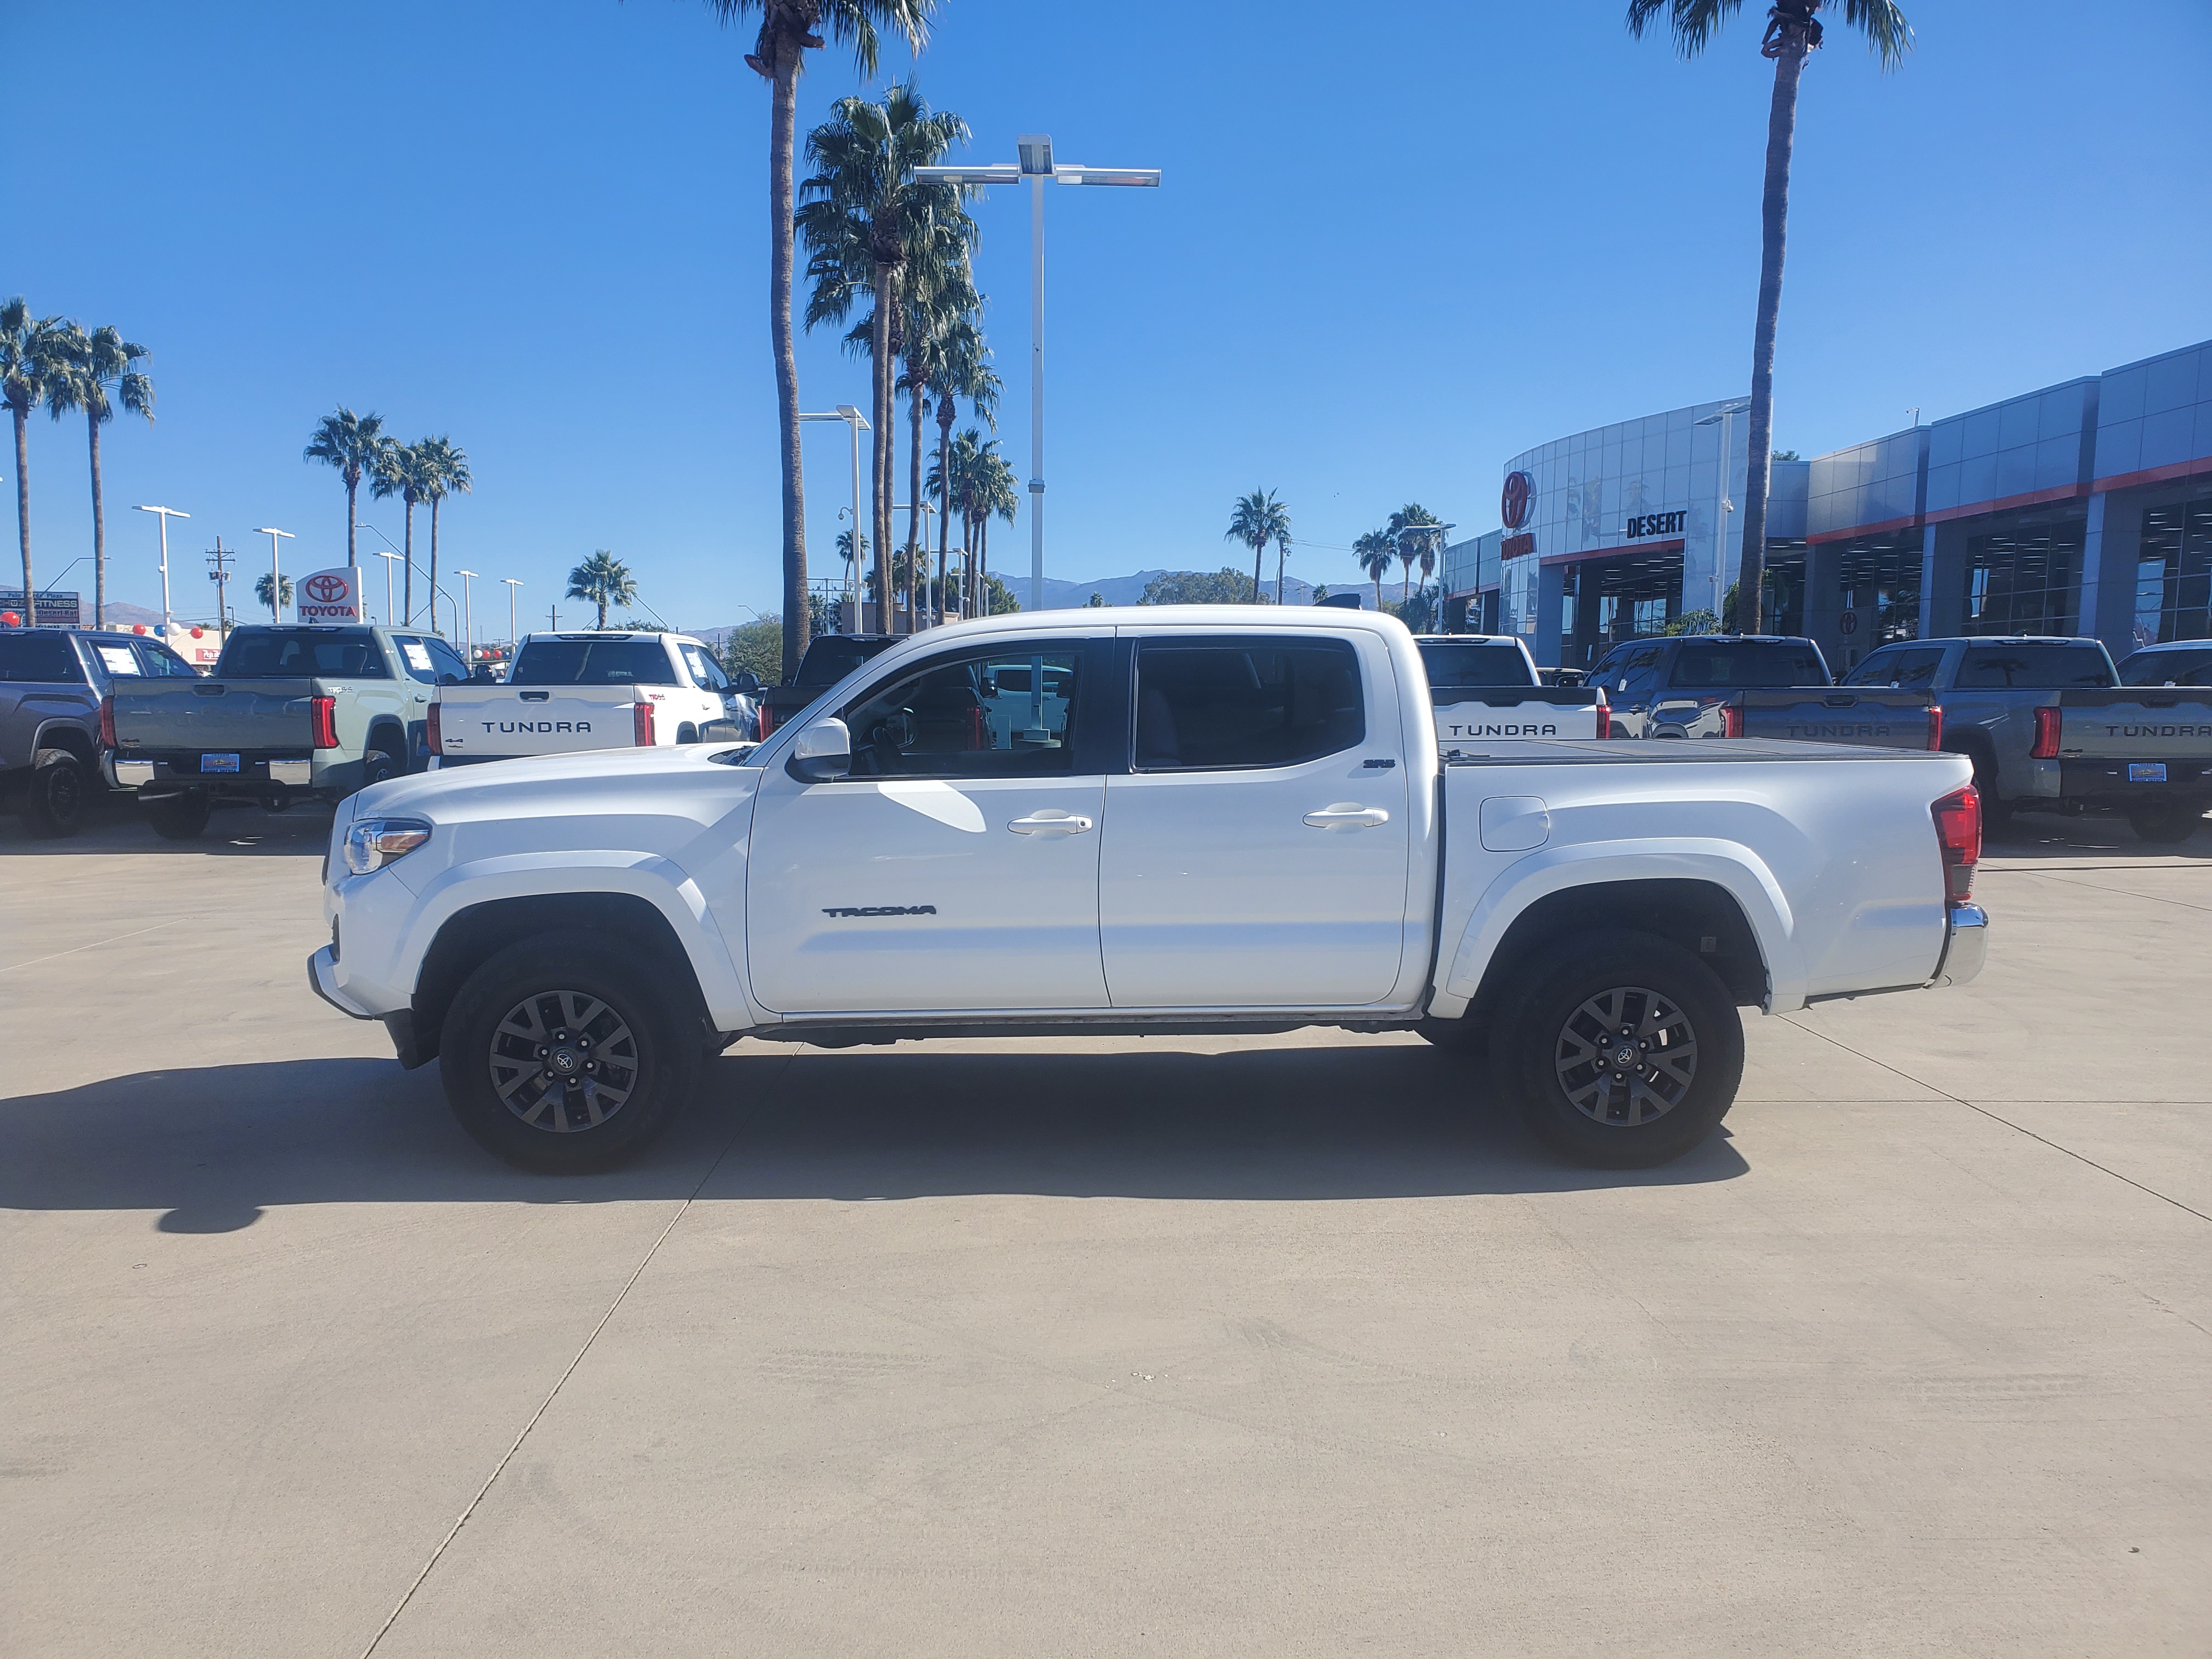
(2165, 824)
(564, 1053)
(1625, 1050)
(54, 798)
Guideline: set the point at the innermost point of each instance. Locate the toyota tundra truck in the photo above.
(1220, 819)
(1485, 688)
(1737, 686)
(569, 692)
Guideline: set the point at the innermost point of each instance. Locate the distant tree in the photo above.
(403, 469)
(1375, 551)
(1418, 535)
(87, 365)
(29, 349)
(1224, 587)
(1695, 622)
(444, 466)
(1787, 455)
(604, 579)
(352, 444)
(1320, 593)
(1255, 520)
(283, 594)
(756, 648)
(1095, 600)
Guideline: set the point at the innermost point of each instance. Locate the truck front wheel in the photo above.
(1624, 1050)
(556, 1056)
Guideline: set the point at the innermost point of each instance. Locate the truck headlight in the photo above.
(372, 843)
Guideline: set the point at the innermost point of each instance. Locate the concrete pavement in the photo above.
(1281, 1345)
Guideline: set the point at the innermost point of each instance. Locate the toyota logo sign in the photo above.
(1513, 505)
(330, 596)
(325, 588)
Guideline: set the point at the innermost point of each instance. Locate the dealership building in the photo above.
(2084, 507)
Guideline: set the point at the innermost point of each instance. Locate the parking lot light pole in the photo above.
(1723, 417)
(858, 423)
(1037, 166)
(468, 615)
(168, 513)
(276, 575)
(513, 638)
(387, 558)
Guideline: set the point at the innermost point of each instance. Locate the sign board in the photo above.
(54, 610)
(1513, 503)
(1514, 546)
(197, 646)
(1848, 623)
(1656, 524)
(329, 596)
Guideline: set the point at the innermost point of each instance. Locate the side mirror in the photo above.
(823, 754)
(746, 684)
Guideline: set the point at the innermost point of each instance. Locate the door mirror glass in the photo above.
(823, 754)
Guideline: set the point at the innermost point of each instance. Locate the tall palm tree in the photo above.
(398, 470)
(29, 348)
(1255, 520)
(954, 478)
(1375, 551)
(1792, 33)
(938, 318)
(87, 365)
(282, 589)
(788, 30)
(353, 444)
(865, 218)
(604, 579)
(959, 366)
(445, 472)
(1415, 531)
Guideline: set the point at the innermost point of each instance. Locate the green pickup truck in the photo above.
(290, 713)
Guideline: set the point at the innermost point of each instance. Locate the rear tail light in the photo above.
(640, 714)
(322, 715)
(1959, 831)
(1732, 722)
(1935, 726)
(2050, 725)
(976, 729)
(767, 721)
(107, 719)
(1604, 720)
(435, 732)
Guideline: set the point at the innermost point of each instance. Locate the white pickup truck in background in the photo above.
(567, 692)
(1157, 821)
(1486, 690)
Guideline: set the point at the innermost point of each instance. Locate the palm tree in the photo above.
(86, 366)
(28, 351)
(1255, 520)
(938, 318)
(398, 471)
(865, 218)
(953, 480)
(353, 444)
(604, 579)
(283, 594)
(788, 29)
(1792, 32)
(1415, 531)
(445, 472)
(1375, 551)
(959, 366)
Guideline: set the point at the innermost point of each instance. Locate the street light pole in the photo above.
(513, 638)
(387, 558)
(858, 423)
(1724, 416)
(276, 575)
(168, 513)
(1037, 166)
(468, 615)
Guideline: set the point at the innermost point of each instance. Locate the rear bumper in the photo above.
(2105, 782)
(1965, 944)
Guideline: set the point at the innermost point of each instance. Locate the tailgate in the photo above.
(506, 722)
(1872, 720)
(1516, 713)
(2135, 723)
(210, 716)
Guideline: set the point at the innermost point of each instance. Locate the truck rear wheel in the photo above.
(1625, 1050)
(2165, 824)
(54, 797)
(556, 1057)
(177, 817)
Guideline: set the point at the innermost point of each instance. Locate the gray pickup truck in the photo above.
(54, 755)
(1732, 685)
(290, 713)
(2050, 727)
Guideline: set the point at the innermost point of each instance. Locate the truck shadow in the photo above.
(116, 825)
(210, 1148)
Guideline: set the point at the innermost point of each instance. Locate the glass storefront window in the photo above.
(2026, 579)
(2173, 574)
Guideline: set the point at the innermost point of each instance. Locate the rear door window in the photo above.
(1740, 665)
(1908, 667)
(34, 659)
(593, 662)
(2044, 667)
(302, 653)
(2168, 668)
(1210, 703)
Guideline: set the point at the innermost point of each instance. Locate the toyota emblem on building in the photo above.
(1513, 505)
(325, 589)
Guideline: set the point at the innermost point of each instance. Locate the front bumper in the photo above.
(322, 979)
(1965, 944)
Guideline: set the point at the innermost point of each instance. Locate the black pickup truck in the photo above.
(829, 658)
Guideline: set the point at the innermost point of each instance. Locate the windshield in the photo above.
(1752, 663)
(1474, 665)
(829, 657)
(2168, 668)
(283, 654)
(1993, 667)
(592, 662)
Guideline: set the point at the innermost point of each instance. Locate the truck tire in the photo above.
(54, 798)
(1625, 1050)
(557, 1057)
(177, 817)
(2165, 824)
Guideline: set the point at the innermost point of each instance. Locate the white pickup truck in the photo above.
(1200, 820)
(567, 692)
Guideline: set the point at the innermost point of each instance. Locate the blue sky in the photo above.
(1393, 247)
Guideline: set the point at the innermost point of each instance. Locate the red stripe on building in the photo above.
(2006, 503)
(1910, 521)
(2152, 475)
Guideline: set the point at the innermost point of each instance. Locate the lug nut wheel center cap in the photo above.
(564, 1061)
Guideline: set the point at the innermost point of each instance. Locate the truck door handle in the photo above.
(1050, 823)
(1348, 815)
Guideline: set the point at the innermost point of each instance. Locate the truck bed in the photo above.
(1742, 751)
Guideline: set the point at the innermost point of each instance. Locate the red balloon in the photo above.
(10, 619)
(197, 633)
